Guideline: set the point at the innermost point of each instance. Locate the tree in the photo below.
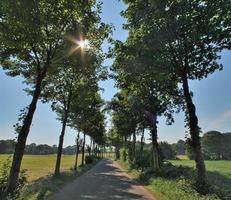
(167, 151)
(78, 145)
(179, 147)
(151, 93)
(182, 39)
(216, 146)
(7, 146)
(29, 43)
(86, 113)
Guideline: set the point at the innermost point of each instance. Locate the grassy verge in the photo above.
(44, 187)
(167, 187)
(218, 171)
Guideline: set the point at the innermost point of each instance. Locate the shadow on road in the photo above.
(104, 181)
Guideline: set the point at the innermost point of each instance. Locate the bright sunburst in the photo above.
(83, 44)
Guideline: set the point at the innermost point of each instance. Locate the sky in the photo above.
(212, 97)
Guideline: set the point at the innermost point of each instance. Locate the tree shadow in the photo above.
(44, 187)
(219, 183)
(106, 182)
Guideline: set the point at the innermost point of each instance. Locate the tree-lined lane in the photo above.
(104, 181)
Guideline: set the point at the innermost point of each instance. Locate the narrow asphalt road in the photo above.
(105, 181)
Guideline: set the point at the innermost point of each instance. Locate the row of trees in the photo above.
(56, 47)
(214, 144)
(169, 43)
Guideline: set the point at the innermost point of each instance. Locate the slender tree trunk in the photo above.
(61, 137)
(77, 152)
(155, 151)
(91, 146)
(22, 136)
(195, 138)
(125, 154)
(60, 147)
(134, 147)
(142, 143)
(96, 151)
(83, 148)
(129, 150)
(117, 152)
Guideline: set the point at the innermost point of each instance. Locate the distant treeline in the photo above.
(215, 146)
(7, 147)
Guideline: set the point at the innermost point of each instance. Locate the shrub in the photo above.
(4, 173)
(123, 154)
(144, 161)
(88, 159)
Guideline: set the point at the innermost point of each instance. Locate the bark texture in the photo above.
(195, 137)
(22, 136)
(155, 151)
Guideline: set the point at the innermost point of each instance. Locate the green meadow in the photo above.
(218, 172)
(38, 166)
(222, 167)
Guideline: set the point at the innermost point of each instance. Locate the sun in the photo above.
(83, 44)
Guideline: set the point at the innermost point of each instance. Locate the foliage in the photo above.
(218, 174)
(179, 147)
(216, 146)
(177, 40)
(178, 182)
(7, 146)
(88, 159)
(167, 151)
(45, 186)
(4, 172)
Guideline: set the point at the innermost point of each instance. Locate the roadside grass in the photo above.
(223, 167)
(38, 166)
(170, 188)
(44, 187)
(218, 171)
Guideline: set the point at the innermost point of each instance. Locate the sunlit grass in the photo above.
(223, 167)
(38, 166)
(165, 188)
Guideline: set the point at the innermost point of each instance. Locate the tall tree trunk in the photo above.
(125, 150)
(61, 137)
(60, 147)
(77, 151)
(91, 144)
(142, 143)
(195, 137)
(22, 136)
(134, 147)
(83, 148)
(93, 148)
(117, 151)
(155, 151)
(129, 149)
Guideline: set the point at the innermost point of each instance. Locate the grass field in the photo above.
(39, 172)
(38, 166)
(219, 174)
(222, 167)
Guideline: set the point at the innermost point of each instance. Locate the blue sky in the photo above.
(212, 97)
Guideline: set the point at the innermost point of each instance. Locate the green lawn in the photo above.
(222, 167)
(38, 166)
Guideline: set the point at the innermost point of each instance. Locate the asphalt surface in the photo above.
(105, 181)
